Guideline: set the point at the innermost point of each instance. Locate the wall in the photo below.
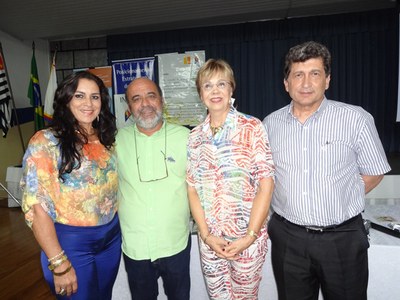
(364, 47)
(17, 56)
(79, 53)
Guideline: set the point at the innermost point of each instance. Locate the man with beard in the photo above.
(153, 207)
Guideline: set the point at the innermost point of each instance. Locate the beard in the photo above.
(148, 122)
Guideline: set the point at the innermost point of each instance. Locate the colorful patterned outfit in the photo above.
(225, 170)
(85, 203)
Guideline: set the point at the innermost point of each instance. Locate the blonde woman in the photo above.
(230, 182)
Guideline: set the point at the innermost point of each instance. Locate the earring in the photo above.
(98, 118)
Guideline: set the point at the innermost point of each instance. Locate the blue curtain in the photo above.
(365, 59)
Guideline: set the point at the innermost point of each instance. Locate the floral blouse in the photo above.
(86, 197)
(225, 170)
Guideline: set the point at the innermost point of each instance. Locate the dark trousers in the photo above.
(174, 270)
(304, 261)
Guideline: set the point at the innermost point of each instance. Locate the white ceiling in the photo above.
(58, 19)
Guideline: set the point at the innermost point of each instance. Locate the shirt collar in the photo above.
(230, 121)
(157, 133)
(316, 114)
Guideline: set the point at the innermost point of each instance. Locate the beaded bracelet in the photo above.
(56, 256)
(63, 272)
(57, 263)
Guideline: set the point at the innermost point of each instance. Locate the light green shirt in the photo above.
(154, 215)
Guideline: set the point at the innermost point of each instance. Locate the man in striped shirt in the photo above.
(328, 155)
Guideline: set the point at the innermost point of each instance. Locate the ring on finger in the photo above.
(62, 292)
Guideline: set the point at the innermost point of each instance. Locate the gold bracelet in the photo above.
(63, 272)
(56, 256)
(252, 233)
(57, 263)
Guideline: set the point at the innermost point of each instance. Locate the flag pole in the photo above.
(12, 100)
(34, 93)
(50, 91)
(10, 194)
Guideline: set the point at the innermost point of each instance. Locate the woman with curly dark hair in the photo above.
(70, 191)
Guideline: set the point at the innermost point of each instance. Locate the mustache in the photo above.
(147, 109)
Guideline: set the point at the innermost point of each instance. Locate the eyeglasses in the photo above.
(152, 97)
(221, 85)
(165, 174)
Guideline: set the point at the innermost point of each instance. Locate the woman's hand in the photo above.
(67, 283)
(217, 244)
(45, 233)
(235, 248)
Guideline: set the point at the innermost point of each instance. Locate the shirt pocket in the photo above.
(334, 155)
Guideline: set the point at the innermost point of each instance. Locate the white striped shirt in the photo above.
(319, 163)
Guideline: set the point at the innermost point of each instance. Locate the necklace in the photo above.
(89, 134)
(88, 138)
(216, 129)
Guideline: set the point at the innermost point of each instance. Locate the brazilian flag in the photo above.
(35, 96)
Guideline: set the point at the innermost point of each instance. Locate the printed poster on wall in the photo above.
(104, 73)
(124, 71)
(177, 79)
